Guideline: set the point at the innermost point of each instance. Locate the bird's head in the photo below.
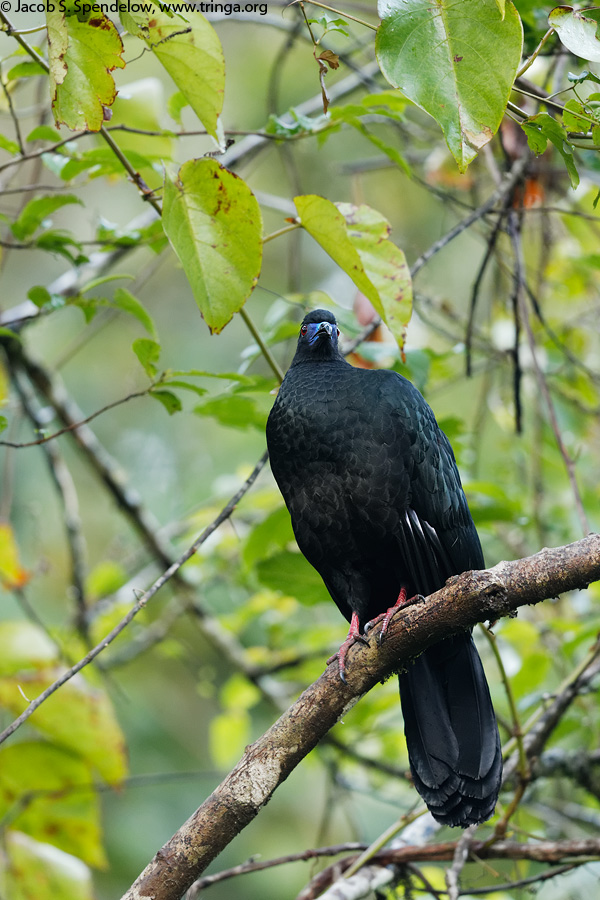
(318, 338)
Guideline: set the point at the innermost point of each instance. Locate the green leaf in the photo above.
(105, 578)
(577, 30)
(44, 133)
(229, 733)
(8, 145)
(38, 871)
(234, 411)
(82, 54)
(168, 399)
(61, 243)
(239, 693)
(356, 238)
(190, 51)
(457, 61)
(273, 533)
(175, 104)
(291, 574)
(37, 210)
(345, 114)
(584, 76)
(536, 140)
(101, 161)
(148, 353)
(572, 116)
(140, 105)
(8, 333)
(330, 25)
(124, 300)
(55, 794)
(185, 386)
(25, 70)
(78, 717)
(549, 129)
(39, 295)
(299, 124)
(213, 222)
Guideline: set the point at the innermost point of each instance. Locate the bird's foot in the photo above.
(386, 617)
(354, 636)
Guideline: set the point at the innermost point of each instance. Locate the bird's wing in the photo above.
(436, 534)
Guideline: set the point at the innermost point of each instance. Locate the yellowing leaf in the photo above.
(190, 51)
(23, 646)
(78, 717)
(356, 238)
(50, 795)
(82, 54)
(38, 871)
(213, 222)
(12, 574)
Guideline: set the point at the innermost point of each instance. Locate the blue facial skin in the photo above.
(315, 329)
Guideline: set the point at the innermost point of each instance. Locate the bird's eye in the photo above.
(338, 332)
(303, 329)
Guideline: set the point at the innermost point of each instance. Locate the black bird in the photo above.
(378, 509)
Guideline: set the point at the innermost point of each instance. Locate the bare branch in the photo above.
(543, 852)
(464, 601)
(259, 865)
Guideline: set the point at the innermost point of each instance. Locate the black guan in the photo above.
(378, 509)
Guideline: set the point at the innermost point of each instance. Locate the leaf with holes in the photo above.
(81, 55)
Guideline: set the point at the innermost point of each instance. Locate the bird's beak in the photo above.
(325, 328)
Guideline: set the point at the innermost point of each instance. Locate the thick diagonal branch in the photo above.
(465, 600)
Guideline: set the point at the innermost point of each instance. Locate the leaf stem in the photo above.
(264, 349)
(534, 55)
(276, 234)
(517, 730)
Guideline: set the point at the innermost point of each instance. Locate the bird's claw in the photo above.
(386, 617)
(354, 636)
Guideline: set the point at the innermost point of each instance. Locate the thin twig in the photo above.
(259, 865)
(68, 496)
(510, 180)
(544, 390)
(140, 604)
(74, 425)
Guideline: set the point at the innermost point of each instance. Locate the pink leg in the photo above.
(387, 617)
(354, 635)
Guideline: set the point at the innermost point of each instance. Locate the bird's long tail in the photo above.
(451, 732)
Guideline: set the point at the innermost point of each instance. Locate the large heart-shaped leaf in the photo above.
(457, 61)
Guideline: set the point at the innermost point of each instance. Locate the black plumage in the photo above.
(377, 505)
